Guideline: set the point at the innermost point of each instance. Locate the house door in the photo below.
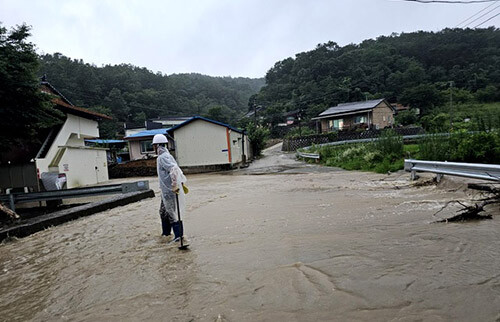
(100, 167)
(96, 167)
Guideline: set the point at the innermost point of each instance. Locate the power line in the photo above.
(476, 14)
(482, 23)
(484, 14)
(451, 1)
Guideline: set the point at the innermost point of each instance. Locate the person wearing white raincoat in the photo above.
(171, 180)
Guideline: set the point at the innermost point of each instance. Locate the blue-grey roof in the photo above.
(147, 133)
(352, 107)
(194, 118)
(105, 141)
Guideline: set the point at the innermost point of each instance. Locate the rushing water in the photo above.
(292, 247)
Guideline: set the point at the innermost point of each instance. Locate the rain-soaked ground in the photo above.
(278, 241)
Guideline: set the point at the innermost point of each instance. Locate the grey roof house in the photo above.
(376, 114)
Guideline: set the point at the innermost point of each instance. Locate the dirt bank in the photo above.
(294, 242)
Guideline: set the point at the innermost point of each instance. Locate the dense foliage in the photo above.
(461, 146)
(133, 94)
(468, 116)
(380, 156)
(257, 136)
(24, 111)
(388, 153)
(409, 68)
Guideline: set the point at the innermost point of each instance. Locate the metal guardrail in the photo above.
(316, 155)
(405, 137)
(308, 155)
(19, 197)
(470, 170)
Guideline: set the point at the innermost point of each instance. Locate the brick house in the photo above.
(376, 114)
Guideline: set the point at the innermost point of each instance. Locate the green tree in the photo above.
(117, 104)
(220, 113)
(488, 94)
(108, 129)
(406, 68)
(407, 117)
(257, 136)
(130, 91)
(25, 110)
(424, 96)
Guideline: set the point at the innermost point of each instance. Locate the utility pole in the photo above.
(255, 113)
(451, 105)
(299, 116)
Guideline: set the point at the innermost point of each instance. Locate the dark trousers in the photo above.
(166, 227)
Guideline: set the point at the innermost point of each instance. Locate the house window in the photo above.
(360, 119)
(338, 124)
(147, 146)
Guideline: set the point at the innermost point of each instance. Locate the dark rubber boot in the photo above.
(166, 227)
(176, 227)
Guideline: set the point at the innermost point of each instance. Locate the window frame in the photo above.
(362, 119)
(144, 149)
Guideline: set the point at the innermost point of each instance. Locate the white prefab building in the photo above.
(64, 149)
(201, 142)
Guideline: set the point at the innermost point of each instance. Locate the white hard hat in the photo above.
(159, 139)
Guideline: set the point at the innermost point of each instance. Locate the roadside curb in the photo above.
(33, 225)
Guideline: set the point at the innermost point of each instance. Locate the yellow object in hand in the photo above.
(185, 189)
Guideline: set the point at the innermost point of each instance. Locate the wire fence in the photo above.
(293, 144)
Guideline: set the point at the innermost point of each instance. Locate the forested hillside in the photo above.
(132, 94)
(410, 68)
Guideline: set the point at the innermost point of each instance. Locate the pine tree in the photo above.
(24, 109)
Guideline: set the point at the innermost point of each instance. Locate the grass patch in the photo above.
(388, 153)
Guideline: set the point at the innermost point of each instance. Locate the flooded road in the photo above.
(290, 243)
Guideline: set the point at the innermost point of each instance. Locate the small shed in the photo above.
(377, 114)
(202, 142)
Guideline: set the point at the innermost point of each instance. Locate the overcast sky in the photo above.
(220, 37)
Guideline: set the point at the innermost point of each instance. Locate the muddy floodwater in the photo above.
(279, 241)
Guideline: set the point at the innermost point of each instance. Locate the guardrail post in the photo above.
(439, 176)
(12, 202)
(413, 175)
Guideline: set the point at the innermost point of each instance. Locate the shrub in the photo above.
(353, 152)
(390, 143)
(483, 147)
(299, 132)
(332, 136)
(257, 137)
(406, 117)
(488, 94)
(373, 156)
(434, 148)
(381, 156)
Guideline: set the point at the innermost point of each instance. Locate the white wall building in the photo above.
(64, 150)
(203, 142)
